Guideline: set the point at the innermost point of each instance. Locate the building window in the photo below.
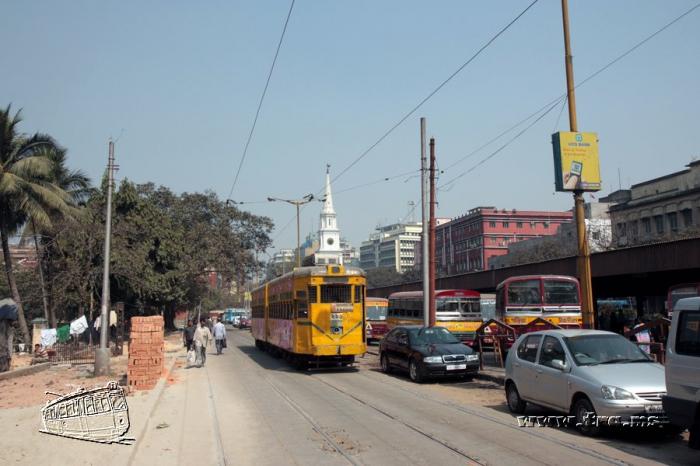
(519, 225)
(634, 229)
(687, 217)
(506, 224)
(545, 224)
(673, 221)
(492, 224)
(646, 225)
(659, 223)
(621, 229)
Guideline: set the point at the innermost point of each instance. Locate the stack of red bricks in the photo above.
(145, 352)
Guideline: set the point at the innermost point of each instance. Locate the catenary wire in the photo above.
(581, 83)
(537, 112)
(497, 151)
(262, 98)
(434, 91)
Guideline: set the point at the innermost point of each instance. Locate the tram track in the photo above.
(510, 425)
(304, 414)
(471, 458)
(317, 428)
(457, 450)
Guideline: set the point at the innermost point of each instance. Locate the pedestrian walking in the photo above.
(219, 336)
(188, 334)
(202, 337)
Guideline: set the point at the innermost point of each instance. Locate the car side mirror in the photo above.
(560, 365)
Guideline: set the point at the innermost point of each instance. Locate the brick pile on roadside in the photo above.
(145, 352)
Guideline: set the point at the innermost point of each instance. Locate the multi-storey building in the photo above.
(563, 243)
(391, 246)
(467, 243)
(661, 208)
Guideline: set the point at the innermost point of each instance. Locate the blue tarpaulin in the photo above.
(8, 309)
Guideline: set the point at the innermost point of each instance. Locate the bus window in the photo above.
(524, 292)
(118, 402)
(560, 292)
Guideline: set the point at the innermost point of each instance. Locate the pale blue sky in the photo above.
(183, 79)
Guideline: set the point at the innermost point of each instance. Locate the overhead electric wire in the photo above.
(581, 83)
(370, 183)
(434, 91)
(262, 98)
(547, 106)
(497, 151)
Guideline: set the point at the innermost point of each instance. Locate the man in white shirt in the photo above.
(219, 336)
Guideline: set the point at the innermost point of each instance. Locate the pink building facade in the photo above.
(466, 243)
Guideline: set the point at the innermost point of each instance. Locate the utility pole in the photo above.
(425, 239)
(431, 234)
(296, 202)
(584, 255)
(102, 353)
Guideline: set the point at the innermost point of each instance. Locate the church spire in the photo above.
(329, 251)
(328, 197)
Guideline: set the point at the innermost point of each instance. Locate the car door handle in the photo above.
(516, 364)
(539, 371)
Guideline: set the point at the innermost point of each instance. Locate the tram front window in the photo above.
(335, 294)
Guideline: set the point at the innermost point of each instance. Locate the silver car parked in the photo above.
(587, 373)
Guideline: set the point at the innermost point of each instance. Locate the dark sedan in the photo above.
(426, 352)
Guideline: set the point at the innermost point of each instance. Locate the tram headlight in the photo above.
(432, 359)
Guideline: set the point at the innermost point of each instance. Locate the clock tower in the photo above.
(329, 251)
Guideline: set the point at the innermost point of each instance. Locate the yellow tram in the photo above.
(312, 315)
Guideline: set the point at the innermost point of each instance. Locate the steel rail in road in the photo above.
(534, 433)
(317, 428)
(444, 443)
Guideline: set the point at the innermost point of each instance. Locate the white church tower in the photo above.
(329, 251)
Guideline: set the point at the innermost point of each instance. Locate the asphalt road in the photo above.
(246, 407)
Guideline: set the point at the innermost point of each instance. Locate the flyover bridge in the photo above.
(645, 272)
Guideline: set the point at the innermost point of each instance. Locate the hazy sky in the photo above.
(180, 81)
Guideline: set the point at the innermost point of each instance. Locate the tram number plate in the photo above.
(456, 367)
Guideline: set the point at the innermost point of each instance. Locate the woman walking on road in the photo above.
(202, 337)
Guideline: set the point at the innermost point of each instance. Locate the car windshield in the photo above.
(591, 350)
(431, 336)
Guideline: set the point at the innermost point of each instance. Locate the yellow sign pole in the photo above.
(584, 255)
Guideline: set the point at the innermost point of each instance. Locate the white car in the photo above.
(587, 373)
(683, 368)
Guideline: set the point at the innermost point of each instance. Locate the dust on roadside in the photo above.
(29, 390)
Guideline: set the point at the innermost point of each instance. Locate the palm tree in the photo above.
(77, 185)
(26, 191)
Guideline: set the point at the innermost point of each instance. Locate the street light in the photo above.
(295, 202)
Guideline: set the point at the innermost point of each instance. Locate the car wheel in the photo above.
(515, 403)
(586, 421)
(384, 362)
(414, 371)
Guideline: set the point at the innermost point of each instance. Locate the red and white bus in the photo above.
(459, 311)
(554, 298)
(375, 318)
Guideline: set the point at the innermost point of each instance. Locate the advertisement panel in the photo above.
(576, 164)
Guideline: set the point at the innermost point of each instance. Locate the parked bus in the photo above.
(312, 316)
(676, 292)
(459, 311)
(375, 318)
(554, 298)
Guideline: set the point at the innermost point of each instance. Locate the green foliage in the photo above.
(163, 245)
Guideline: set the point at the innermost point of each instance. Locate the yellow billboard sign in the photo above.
(576, 163)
